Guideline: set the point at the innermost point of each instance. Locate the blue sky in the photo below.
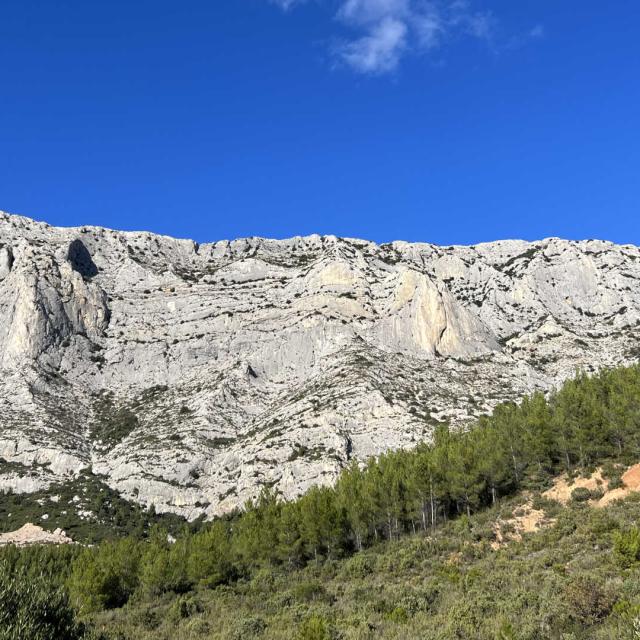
(442, 121)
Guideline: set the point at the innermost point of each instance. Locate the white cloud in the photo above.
(367, 12)
(379, 51)
(429, 28)
(381, 32)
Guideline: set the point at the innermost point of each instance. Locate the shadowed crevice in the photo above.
(80, 260)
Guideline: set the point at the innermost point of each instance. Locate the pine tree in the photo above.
(355, 502)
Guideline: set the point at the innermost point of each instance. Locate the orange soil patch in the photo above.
(631, 480)
(527, 520)
(562, 488)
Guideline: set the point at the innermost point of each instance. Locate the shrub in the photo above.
(615, 482)
(626, 609)
(420, 600)
(34, 608)
(314, 628)
(163, 566)
(309, 591)
(626, 546)
(249, 628)
(360, 566)
(398, 615)
(581, 494)
(600, 522)
(263, 580)
(588, 601)
(208, 556)
(148, 618)
(185, 607)
(611, 470)
(106, 577)
(199, 626)
(505, 631)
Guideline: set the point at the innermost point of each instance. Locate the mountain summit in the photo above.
(188, 376)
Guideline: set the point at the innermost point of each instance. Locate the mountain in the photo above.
(187, 376)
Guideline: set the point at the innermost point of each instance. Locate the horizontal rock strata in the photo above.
(189, 376)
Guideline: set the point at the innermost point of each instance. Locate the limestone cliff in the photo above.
(189, 376)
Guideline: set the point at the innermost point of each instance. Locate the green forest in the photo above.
(398, 548)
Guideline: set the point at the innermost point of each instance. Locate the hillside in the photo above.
(522, 527)
(188, 377)
(566, 581)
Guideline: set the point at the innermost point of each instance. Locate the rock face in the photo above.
(32, 534)
(189, 376)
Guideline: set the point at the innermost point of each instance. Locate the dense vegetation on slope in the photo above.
(567, 582)
(445, 582)
(577, 580)
(87, 509)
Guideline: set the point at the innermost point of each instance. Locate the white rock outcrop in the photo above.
(30, 534)
(189, 376)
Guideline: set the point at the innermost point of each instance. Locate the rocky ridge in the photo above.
(188, 375)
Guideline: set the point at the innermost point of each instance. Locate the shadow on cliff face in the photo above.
(80, 260)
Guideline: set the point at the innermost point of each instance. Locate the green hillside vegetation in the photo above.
(111, 515)
(398, 549)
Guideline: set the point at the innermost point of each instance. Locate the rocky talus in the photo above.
(188, 375)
